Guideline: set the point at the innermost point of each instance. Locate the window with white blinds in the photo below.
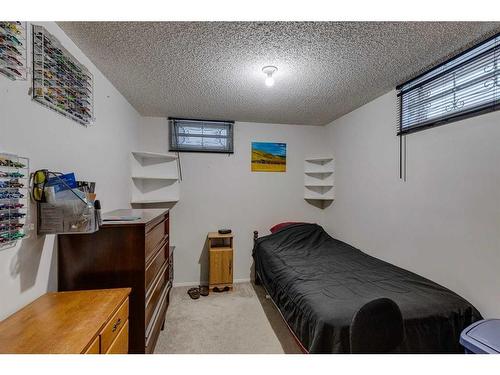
(466, 85)
(200, 135)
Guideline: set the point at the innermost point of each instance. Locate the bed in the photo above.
(318, 283)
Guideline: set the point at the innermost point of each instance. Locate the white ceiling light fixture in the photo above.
(269, 71)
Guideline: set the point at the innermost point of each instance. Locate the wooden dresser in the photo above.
(83, 322)
(132, 254)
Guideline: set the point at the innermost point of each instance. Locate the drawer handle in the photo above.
(115, 326)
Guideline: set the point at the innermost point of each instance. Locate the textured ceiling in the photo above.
(212, 70)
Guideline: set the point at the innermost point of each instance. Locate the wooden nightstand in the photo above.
(220, 250)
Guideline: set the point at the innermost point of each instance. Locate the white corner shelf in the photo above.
(315, 198)
(323, 172)
(319, 179)
(319, 159)
(317, 184)
(155, 178)
(153, 201)
(154, 155)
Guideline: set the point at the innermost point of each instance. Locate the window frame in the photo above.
(453, 117)
(171, 125)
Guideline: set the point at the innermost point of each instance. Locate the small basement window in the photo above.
(464, 86)
(190, 135)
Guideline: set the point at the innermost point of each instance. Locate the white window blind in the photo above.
(466, 85)
(201, 135)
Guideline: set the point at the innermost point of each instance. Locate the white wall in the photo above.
(99, 153)
(444, 222)
(218, 191)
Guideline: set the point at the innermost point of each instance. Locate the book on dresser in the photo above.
(131, 253)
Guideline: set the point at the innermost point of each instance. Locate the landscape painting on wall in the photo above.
(268, 157)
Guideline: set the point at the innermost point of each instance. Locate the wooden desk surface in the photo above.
(60, 322)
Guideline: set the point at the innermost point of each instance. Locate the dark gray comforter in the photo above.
(318, 283)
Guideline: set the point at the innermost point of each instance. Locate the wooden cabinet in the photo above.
(220, 250)
(221, 267)
(82, 322)
(133, 254)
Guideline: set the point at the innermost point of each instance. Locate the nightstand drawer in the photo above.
(110, 332)
(120, 344)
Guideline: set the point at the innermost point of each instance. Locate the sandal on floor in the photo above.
(194, 293)
(204, 290)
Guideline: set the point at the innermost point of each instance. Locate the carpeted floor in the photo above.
(241, 321)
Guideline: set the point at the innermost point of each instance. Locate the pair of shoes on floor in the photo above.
(195, 293)
(218, 290)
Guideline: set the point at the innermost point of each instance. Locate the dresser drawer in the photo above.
(159, 287)
(120, 344)
(113, 328)
(153, 330)
(94, 347)
(154, 237)
(154, 267)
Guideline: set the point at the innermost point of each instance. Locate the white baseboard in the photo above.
(196, 283)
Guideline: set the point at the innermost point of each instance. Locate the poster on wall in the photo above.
(268, 157)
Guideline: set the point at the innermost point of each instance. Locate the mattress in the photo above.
(319, 283)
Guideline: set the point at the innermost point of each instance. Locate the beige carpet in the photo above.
(241, 321)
